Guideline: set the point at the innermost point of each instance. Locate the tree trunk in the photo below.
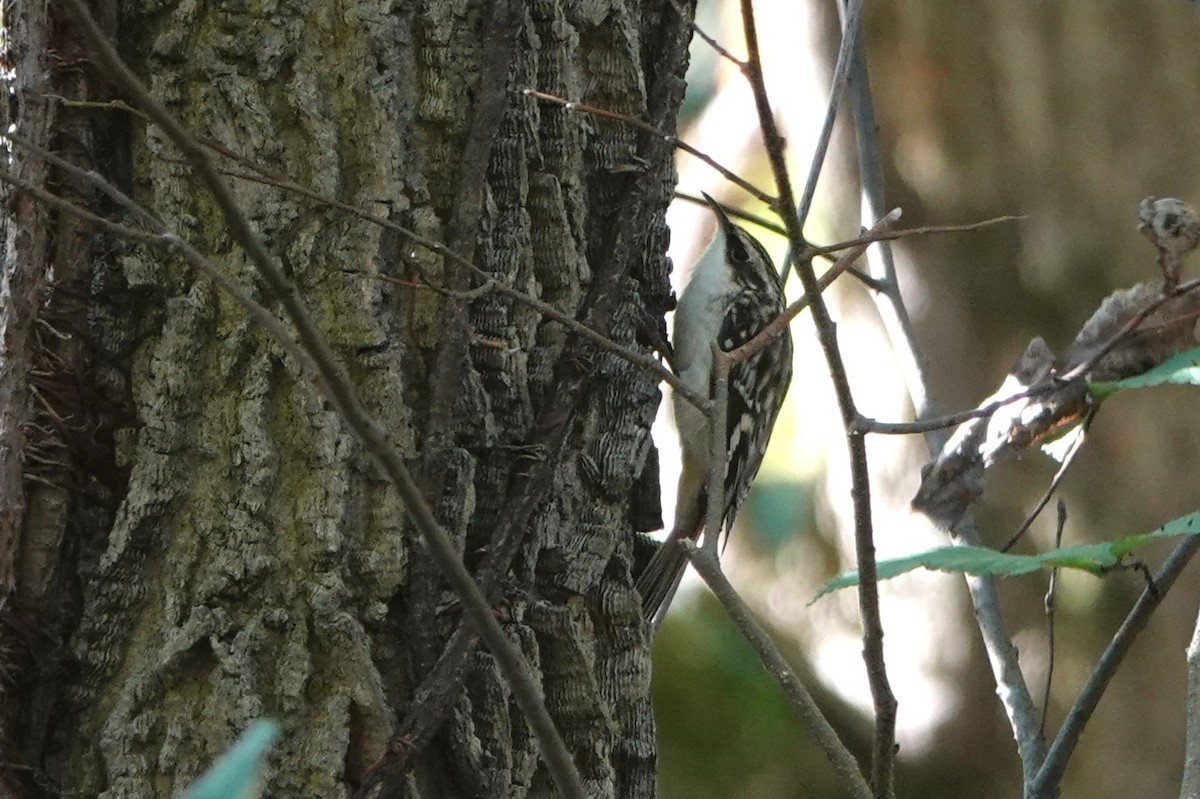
(220, 547)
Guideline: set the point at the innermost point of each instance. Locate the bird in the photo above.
(733, 294)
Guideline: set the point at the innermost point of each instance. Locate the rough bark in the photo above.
(63, 391)
(256, 565)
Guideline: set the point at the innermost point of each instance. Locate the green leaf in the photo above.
(1092, 558)
(1182, 369)
(236, 773)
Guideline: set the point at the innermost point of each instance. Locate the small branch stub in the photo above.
(1173, 228)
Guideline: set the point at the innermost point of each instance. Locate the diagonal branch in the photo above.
(338, 389)
(1011, 687)
(674, 141)
(844, 763)
(1045, 784)
(883, 754)
(849, 39)
(488, 280)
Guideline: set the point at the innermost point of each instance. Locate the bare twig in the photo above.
(340, 392)
(54, 201)
(880, 232)
(849, 36)
(733, 213)
(1045, 784)
(889, 302)
(874, 236)
(865, 424)
(844, 763)
(149, 220)
(550, 312)
(674, 141)
(870, 237)
(116, 105)
(1067, 460)
(710, 41)
(1049, 604)
(166, 240)
(1169, 293)
(718, 445)
(883, 751)
(1011, 687)
(490, 283)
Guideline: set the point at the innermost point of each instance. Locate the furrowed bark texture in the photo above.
(257, 566)
(62, 389)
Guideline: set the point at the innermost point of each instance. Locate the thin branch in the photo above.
(1052, 584)
(734, 213)
(641, 360)
(870, 237)
(115, 105)
(92, 178)
(793, 310)
(674, 141)
(1067, 460)
(340, 392)
(1169, 293)
(865, 424)
(883, 751)
(710, 41)
(1045, 784)
(54, 201)
(489, 281)
(849, 36)
(172, 243)
(718, 450)
(880, 232)
(891, 235)
(1011, 687)
(844, 763)
(892, 309)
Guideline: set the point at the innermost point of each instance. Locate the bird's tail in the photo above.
(659, 581)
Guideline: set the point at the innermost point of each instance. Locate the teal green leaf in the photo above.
(237, 773)
(1182, 369)
(1092, 558)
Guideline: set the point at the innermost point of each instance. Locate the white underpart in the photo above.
(698, 319)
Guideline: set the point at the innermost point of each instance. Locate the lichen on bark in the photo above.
(258, 566)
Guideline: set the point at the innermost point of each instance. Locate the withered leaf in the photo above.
(1132, 331)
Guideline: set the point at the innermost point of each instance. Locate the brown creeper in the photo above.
(733, 294)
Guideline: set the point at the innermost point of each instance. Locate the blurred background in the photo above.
(1067, 113)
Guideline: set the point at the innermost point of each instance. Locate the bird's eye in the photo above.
(737, 251)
